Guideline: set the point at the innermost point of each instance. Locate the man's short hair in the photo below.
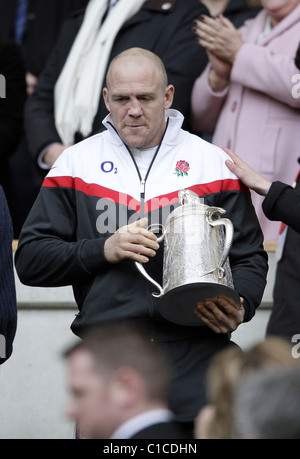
(267, 404)
(115, 345)
(141, 53)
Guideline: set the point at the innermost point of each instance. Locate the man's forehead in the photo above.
(134, 90)
(134, 72)
(134, 62)
(81, 360)
(134, 87)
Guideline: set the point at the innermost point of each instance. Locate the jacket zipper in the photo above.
(142, 194)
(143, 184)
(143, 181)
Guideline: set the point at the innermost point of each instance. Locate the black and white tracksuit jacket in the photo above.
(95, 187)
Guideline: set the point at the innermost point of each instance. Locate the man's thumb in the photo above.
(141, 222)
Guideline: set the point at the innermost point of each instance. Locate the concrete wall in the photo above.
(33, 381)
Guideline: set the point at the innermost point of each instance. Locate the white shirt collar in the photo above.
(140, 422)
(267, 29)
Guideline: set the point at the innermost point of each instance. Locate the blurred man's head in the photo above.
(267, 404)
(114, 374)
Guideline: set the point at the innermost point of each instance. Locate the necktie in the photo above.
(21, 20)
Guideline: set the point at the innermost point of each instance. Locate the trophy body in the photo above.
(196, 266)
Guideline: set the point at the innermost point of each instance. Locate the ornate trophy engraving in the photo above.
(197, 242)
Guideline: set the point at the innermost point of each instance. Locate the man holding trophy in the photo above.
(90, 228)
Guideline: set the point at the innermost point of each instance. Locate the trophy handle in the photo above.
(154, 228)
(213, 217)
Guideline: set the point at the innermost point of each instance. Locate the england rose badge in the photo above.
(182, 168)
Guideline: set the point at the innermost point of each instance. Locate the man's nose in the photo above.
(135, 108)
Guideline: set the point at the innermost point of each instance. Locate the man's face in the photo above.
(90, 403)
(137, 99)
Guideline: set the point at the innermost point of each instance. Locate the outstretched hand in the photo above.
(246, 174)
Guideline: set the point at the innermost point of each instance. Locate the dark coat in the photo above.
(11, 106)
(297, 58)
(283, 203)
(43, 26)
(8, 305)
(44, 22)
(162, 431)
(238, 11)
(166, 32)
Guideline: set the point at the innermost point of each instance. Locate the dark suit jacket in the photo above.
(238, 11)
(166, 32)
(163, 431)
(8, 303)
(283, 203)
(11, 107)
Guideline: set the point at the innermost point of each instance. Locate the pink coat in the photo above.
(257, 115)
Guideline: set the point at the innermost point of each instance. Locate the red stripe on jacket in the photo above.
(92, 189)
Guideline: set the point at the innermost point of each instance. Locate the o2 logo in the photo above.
(296, 348)
(108, 167)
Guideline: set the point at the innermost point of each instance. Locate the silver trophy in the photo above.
(197, 242)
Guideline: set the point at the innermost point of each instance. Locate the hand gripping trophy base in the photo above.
(178, 304)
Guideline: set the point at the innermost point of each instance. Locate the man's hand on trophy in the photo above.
(221, 314)
(131, 241)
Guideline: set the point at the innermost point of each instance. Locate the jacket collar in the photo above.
(171, 136)
(285, 24)
(145, 13)
(163, 6)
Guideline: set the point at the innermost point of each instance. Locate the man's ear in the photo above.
(106, 98)
(169, 96)
(128, 387)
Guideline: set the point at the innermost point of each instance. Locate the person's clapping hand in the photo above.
(219, 37)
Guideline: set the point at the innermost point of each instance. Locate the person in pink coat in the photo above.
(249, 94)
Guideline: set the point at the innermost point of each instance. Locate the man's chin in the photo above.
(133, 142)
(136, 137)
